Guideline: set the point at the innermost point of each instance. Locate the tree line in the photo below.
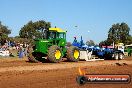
(118, 33)
(26, 33)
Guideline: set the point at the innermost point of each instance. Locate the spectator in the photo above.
(21, 54)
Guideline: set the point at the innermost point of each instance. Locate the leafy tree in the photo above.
(90, 43)
(104, 43)
(34, 29)
(118, 33)
(129, 40)
(4, 32)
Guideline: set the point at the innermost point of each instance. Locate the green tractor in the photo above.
(128, 50)
(53, 47)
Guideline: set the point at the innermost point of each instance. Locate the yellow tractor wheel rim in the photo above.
(76, 54)
(57, 54)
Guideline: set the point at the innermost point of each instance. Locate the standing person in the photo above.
(21, 54)
(25, 51)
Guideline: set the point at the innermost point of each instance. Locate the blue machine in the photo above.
(108, 53)
(103, 53)
(81, 45)
(78, 44)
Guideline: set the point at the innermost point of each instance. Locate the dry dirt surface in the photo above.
(16, 73)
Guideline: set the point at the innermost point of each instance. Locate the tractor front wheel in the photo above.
(54, 54)
(116, 56)
(73, 54)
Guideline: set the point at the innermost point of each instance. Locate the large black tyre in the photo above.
(73, 54)
(31, 58)
(54, 54)
(121, 56)
(108, 56)
(116, 56)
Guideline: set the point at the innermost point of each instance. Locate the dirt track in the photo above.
(22, 74)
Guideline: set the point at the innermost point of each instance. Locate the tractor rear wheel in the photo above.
(54, 54)
(121, 56)
(32, 58)
(73, 54)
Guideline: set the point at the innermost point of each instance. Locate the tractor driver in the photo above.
(52, 35)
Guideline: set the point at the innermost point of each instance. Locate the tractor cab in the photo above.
(56, 33)
(120, 46)
(57, 36)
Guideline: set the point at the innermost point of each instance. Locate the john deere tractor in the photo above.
(53, 47)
